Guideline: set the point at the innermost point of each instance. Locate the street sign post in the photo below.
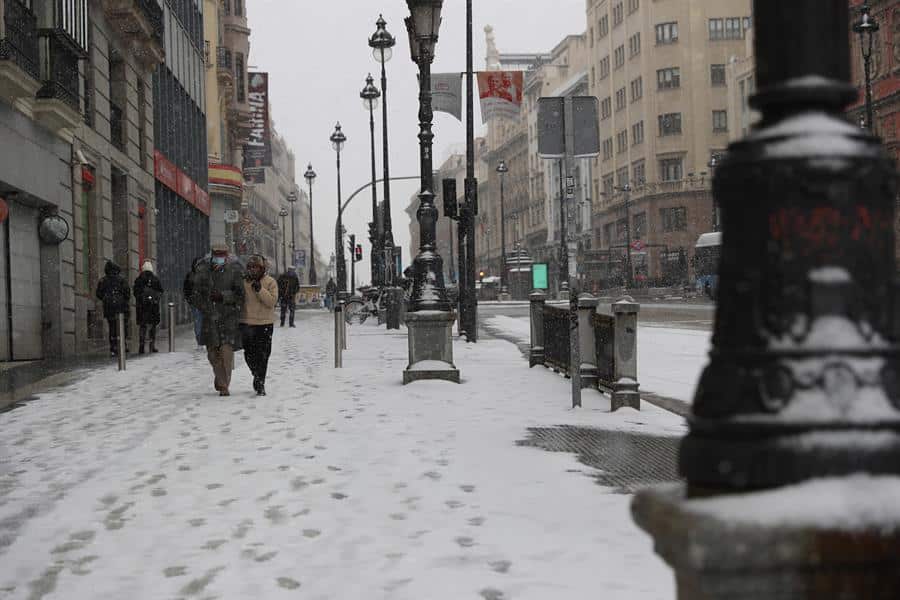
(231, 216)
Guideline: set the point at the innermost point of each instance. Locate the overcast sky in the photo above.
(317, 55)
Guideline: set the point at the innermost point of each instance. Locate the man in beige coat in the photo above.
(257, 320)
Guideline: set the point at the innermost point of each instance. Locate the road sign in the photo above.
(231, 216)
(638, 245)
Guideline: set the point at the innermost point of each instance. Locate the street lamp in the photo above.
(370, 95)
(503, 170)
(429, 320)
(629, 272)
(866, 28)
(338, 139)
(310, 176)
(712, 164)
(382, 43)
(283, 213)
(292, 198)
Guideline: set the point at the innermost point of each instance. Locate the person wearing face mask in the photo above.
(218, 291)
(258, 320)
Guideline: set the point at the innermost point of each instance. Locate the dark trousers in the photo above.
(257, 348)
(287, 305)
(144, 331)
(114, 333)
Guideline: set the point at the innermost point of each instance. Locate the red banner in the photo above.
(185, 187)
(165, 171)
(500, 93)
(201, 200)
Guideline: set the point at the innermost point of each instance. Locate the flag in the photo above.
(446, 92)
(500, 93)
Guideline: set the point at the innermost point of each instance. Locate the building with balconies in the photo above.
(43, 44)
(114, 201)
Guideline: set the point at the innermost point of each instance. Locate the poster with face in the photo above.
(500, 93)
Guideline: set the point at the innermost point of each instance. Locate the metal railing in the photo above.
(18, 39)
(556, 338)
(604, 327)
(60, 75)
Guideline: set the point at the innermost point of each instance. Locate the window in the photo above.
(637, 133)
(226, 6)
(730, 28)
(622, 141)
(717, 75)
(606, 108)
(238, 8)
(142, 122)
(720, 120)
(637, 89)
(593, 76)
(633, 5)
(667, 79)
(607, 148)
(673, 219)
(670, 124)
(603, 27)
(634, 45)
(667, 33)
(608, 185)
(239, 77)
(619, 56)
(604, 67)
(671, 169)
(622, 177)
(639, 171)
(621, 99)
(609, 234)
(618, 14)
(592, 37)
(640, 225)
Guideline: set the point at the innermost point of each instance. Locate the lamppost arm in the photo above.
(368, 185)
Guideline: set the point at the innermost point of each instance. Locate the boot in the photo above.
(142, 336)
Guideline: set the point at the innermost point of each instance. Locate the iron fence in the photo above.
(556, 338)
(18, 39)
(604, 348)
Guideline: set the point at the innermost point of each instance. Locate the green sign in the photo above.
(539, 276)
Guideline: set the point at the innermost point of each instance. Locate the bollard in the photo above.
(625, 386)
(338, 343)
(574, 350)
(536, 353)
(343, 326)
(120, 325)
(394, 296)
(171, 327)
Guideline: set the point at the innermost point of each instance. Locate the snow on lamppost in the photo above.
(794, 441)
(429, 319)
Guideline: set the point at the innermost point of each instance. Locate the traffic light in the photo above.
(351, 244)
(357, 254)
(373, 232)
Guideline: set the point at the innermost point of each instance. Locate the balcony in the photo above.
(141, 24)
(57, 104)
(19, 52)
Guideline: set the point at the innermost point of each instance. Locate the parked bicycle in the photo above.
(357, 309)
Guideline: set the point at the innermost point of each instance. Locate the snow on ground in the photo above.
(340, 484)
(670, 360)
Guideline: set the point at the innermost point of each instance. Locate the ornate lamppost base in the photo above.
(430, 335)
(801, 542)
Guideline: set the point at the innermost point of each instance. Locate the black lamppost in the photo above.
(503, 170)
(370, 95)
(629, 271)
(712, 164)
(382, 43)
(292, 198)
(866, 28)
(338, 139)
(283, 213)
(429, 318)
(310, 176)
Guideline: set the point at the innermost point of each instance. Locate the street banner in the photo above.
(446, 93)
(500, 93)
(299, 258)
(258, 149)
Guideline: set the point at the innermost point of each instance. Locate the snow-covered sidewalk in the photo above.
(670, 360)
(339, 484)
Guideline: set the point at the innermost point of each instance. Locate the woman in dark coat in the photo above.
(114, 292)
(148, 293)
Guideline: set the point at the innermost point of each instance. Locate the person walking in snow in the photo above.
(113, 291)
(288, 287)
(258, 320)
(148, 293)
(187, 289)
(218, 291)
(330, 293)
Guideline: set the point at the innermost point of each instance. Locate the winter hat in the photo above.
(148, 266)
(220, 248)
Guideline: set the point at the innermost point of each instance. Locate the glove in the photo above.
(256, 285)
(215, 296)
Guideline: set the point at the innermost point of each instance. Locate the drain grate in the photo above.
(626, 461)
